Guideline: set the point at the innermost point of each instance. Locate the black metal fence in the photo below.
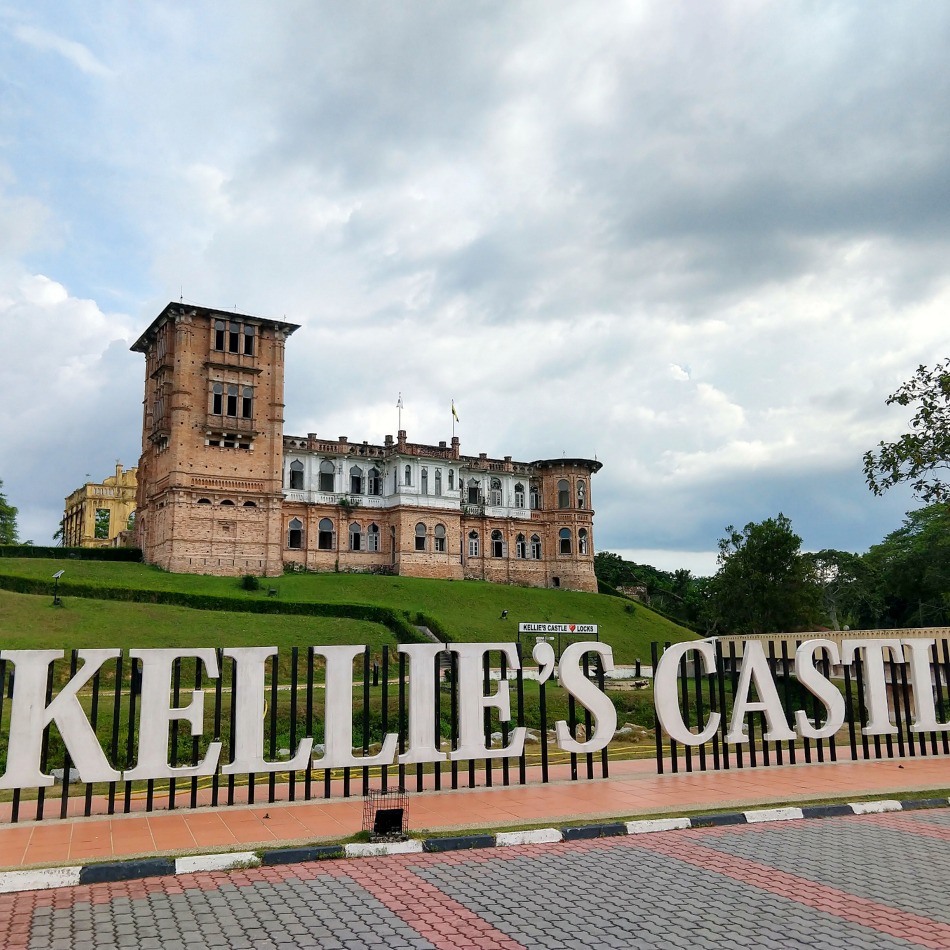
(701, 694)
(294, 710)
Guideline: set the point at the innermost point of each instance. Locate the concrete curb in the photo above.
(70, 876)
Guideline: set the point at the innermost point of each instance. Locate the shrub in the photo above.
(250, 582)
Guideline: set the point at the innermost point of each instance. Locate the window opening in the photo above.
(295, 533)
(375, 484)
(247, 402)
(420, 537)
(217, 399)
(519, 495)
(103, 517)
(438, 481)
(296, 475)
(355, 537)
(582, 541)
(565, 541)
(472, 491)
(326, 475)
(564, 493)
(581, 494)
(473, 544)
(219, 334)
(535, 547)
(234, 335)
(495, 492)
(372, 538)
(497, 544)
(356, 480)
(520, 547)
(248, 339)
(232, 406)
(408, 475)
(325, 535)
(440, 538)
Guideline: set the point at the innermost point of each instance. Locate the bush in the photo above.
(81, 554)
(250, 582)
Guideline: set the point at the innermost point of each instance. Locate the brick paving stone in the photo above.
(718, 888)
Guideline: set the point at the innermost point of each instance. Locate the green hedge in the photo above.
(397, 621)
(81, 554)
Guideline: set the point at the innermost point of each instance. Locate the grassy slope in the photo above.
(466, 610)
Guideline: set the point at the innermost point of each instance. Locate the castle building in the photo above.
(221, 489)
(101, 514)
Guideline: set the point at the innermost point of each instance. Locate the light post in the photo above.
(56, 601)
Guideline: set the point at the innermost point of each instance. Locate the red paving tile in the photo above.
(633, 788)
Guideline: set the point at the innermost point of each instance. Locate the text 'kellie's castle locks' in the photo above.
(221, 489)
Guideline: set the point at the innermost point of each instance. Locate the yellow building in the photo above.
(97, 514)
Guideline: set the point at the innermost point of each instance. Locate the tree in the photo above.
(764, 584)
(913, 567)
(917, 455)
(850, 589)
(8, 528)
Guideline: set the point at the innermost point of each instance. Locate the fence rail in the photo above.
(294, 710)
(703, 693)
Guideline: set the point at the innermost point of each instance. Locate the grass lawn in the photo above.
(460, 610)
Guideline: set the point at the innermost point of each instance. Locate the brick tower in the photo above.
(209, 478)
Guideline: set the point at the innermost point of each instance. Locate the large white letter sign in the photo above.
(827, 693)
(755, 669)
(156, 716)
(473, 702)
(422, 687)
(29, 716)
(665, 694)
(338, 713)
(249, 725)
(925, 715)
(875, 682)
(572, 678)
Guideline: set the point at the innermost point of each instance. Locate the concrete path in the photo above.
(633, 789)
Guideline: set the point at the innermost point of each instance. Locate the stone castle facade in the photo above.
(101, 514)
(221, 489)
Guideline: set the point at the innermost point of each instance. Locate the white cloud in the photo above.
(75, 53)
(701, 245)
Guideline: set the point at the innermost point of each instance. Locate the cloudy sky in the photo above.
(701, 241)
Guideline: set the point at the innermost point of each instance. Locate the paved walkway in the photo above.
(633, 789)
(850, 883)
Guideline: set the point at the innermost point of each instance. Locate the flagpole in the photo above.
(399, 407)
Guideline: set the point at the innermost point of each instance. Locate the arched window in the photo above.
(356, 480)
(440, 538)
(581, 493)
(250, 504)
(494, 497)
(295, 533)
(296, 475)
(217, 399)
(420, 537)
(327, 469)
(473, 544)
(372, 538)
(227, 501)
(564, 541)
(407, 475)
(582, 541)
(535, 547)
(231, 409)
(374, 484)
(219, 334)
(438, 481)
(520, 547)
(247, 402)
(356, 537)
(451, 479)
(325, 535)
(497, 544)
(425, 480)
(519, 495)
(204, 501)
(564, 493)
(234, 334)
(473, 491)
(248, 339)
(535, 498)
